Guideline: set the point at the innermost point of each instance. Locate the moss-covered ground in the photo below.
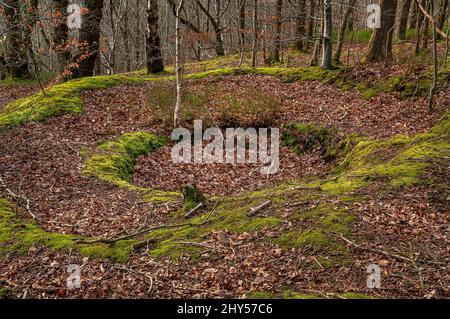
(395, 162)
(65, 98)
(360, 162)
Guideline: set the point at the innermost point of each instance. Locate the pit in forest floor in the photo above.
(157, 171)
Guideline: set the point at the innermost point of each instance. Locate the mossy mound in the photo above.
(395, 162)
(402, 84)
(292, 294)
(286, 294)
(303, 138)
(19, 236)
(57, 100)
(114, 161)
(65, 98)
(398, 161)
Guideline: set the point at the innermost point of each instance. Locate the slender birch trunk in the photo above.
(176, 117)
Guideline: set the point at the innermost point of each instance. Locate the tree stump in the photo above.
(191, 196)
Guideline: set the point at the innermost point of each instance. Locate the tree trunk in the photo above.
(413, 16)
(255, 32)
(435, 60)
(403, 21)
(327, 35)
(341, 36)
(178, 66)
(61, 34)
(16, 48)
(275, 55)
(380, 46)
(220, 49)
(426, 27)
(90, 34)
(242, 21)
(300, 30)
(155, 62)
(318, 44)
(419, 26)
(311, 22)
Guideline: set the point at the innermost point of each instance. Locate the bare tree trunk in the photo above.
(126, 38)
(61, 34)
(436, 62)
(178, 66)
(275, 55)
(16, 50)
(300, 30)
(403, 21)
(341, 36)
(311, 22)
(380, 46)
(155, 62)
(319, 42)
(412, 23)
(327, 35)
(447, 44)
(419, 26)
(426, 27)
(242, 21)
(90, 34)
(255, 32)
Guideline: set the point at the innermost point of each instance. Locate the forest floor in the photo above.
(381, 199)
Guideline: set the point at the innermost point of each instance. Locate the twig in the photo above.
(320, 265)
(146, 230)
(379, 251)
(18, 197)
(389, 254)
(137, 274)
(256, 210)
(194, 210)
(414, 263)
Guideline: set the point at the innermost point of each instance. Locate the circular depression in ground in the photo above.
(157, 171)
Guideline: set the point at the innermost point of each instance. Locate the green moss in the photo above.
(9, 81)
(4, 292)
(292, 294)
(114, 161)
(59, 99)
(300, 239)
(352, 295)
(319, 229)
(286, 294)
(399, 161)
(83, 152)
(19, 236)
(227, 217)
(406, 86)
(306, 137)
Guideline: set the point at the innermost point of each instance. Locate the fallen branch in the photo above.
(194, 210)
(18, 197)
(374, 250)
(390, 254)
(256, 210)
(146, 230)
